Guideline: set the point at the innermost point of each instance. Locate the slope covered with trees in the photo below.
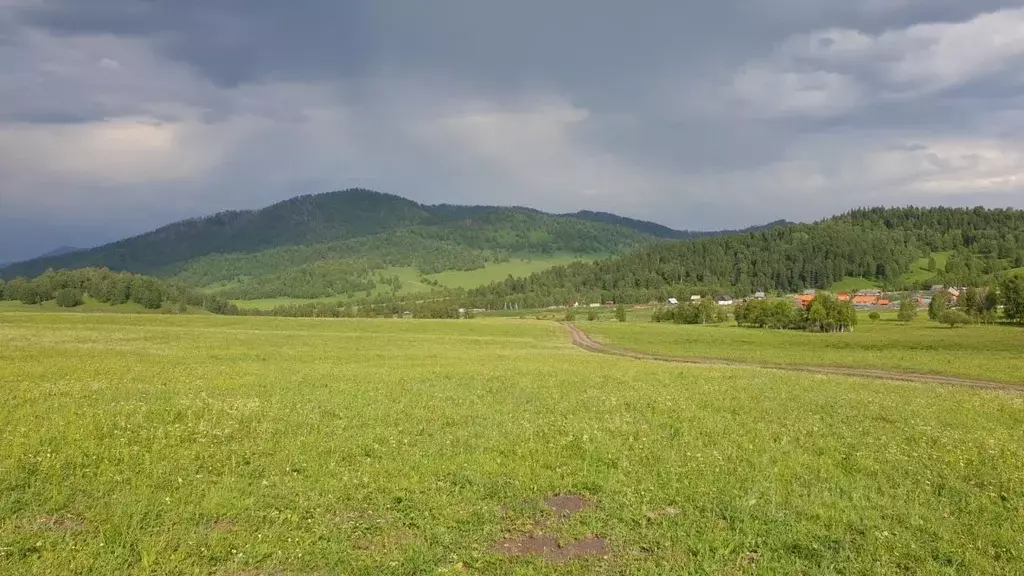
(337, 244)
(878, 244)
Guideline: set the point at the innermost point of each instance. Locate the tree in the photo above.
(827, 314)
(938, 305)
(1012, 292)
(932, 266)
(875, 316)
(592, 315)
(620, 313)
(954, 318)
(69, 298)
(908, 309)
(971, 302)
(570, 315)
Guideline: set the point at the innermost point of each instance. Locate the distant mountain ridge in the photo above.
(660, 231)
(343, 243)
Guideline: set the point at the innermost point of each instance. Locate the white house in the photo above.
(759, 296)
(673, 302)
(695, 298)
(724, 301)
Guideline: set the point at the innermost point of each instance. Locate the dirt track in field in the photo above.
(580, 339)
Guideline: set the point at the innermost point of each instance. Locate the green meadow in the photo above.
(978, 352)
(413, 281)
(494, 272)
(158, 444)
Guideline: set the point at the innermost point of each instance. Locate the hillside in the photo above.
(305, 219)
(657, 230)
(884, 246)
(344, 243)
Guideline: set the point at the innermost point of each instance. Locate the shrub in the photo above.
(875, 316)
(908, 310)
(570, 315)
(954, 318)
(620, 313)
(592, 315)
(69, 298)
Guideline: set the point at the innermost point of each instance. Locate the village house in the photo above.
(759, 296)
(865, 299)
(673, 302)
(803, 300)
(695, 298)
(724, 300)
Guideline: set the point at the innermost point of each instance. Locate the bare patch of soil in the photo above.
(566, 505)
(222, 526)
(60, 523)
(549, 547)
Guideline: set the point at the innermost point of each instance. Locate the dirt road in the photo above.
(580, 339)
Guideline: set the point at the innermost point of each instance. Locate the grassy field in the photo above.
(412, 280)
(919, 270)
(517, 267)
(918, 273)
(134, 444)
(979, 352)
(852, 284)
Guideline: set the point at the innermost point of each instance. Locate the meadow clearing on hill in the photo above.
(152, 444)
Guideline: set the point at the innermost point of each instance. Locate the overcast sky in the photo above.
(117, 116)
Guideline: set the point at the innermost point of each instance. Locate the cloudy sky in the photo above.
(120, 115)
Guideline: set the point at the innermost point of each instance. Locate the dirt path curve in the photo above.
(580, 339)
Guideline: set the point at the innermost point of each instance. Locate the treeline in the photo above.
(877, 244)
(705, 311)
(420, 310)
(824, 313)
(69, 288)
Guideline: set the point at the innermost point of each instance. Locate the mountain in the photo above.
(52, 253)
(305, 219)
(340, 243)
(60, 251)
(660, 231)
(882, 245)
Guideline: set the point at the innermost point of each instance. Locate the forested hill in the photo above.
(876, 244)
(302, 220)
(334, 243)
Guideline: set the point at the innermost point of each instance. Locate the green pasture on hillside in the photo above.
(148, 444)
(495, 272)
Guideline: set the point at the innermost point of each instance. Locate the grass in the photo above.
(135, 444)
(918, 273)
(919, 270)
(852, 284)
(977, 352)
(412, 280)
(516, 267)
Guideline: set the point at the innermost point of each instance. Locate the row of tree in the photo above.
(69, 288)
(825, 313)
(705, 311)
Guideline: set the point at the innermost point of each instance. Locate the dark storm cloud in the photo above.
(698, 115)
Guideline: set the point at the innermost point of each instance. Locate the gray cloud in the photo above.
(119, 115)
